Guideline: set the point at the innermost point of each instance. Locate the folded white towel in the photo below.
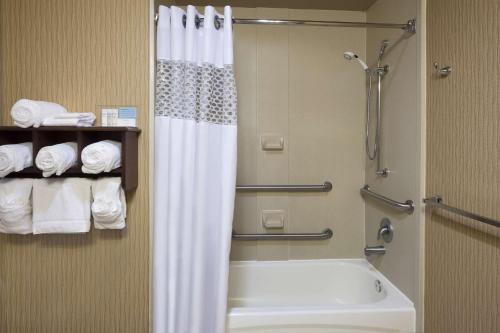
(102, 156)
(83, 119)
(61, 205)
(15, 157)
(56, 159)
(109, 208)
(15, 206)
(27, 113)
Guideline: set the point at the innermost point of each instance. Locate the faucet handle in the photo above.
(386, 231)
(382, 231)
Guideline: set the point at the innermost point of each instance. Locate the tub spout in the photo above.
(369, 250)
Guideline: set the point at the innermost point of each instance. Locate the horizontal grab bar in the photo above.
(326, 234)
(437, 201)
(406, 206)
(325, 187)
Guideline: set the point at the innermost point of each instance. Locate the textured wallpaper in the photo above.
(463, 120)
(80, 53)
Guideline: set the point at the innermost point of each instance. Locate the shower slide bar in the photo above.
(406, 206)
(409, 27)
(326, 234)
(437, 202)
(325, 187)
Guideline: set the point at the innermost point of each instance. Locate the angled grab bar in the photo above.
(325, 187)
(326, 234)
(406, 206)
(437, 201)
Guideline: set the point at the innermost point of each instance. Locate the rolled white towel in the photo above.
(15, 206)
(27, 113)
(109, 208)
(15, 157)
(56, 159)
(102, 156)
(83, 119)
(61, 205)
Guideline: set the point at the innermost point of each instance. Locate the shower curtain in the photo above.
(195, 169)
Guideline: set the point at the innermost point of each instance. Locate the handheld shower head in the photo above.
(383, 46)
(351, 55)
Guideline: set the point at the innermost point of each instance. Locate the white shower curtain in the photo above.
(195, 169)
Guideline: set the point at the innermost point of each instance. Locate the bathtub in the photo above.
(315, 296)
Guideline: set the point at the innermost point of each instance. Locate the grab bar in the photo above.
(326, 234)
(325, 187)
(437, 201)
(406, 206)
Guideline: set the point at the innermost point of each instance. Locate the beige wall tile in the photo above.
(245, 215)
(272, 99)
(303, 93)
(326, 119)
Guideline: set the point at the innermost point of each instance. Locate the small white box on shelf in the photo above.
(119, 116)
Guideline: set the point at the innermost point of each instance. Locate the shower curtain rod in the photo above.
(409, 27)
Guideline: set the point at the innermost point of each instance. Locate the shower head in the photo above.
(383, 46)
(351, 55)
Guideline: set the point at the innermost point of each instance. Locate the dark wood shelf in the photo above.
(83, 136)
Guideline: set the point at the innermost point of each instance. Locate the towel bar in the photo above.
(326, 234)
(437, 202)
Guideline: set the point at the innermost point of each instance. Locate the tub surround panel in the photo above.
(462, 256)
(246, 204)
(81, 54)
(402, 127)
(272, 118)
(294, 82)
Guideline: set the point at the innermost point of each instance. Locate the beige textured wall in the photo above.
(294, 81)
(462, 291)
(81, 54)
(402, 126)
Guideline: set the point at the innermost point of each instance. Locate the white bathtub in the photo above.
(315, 296)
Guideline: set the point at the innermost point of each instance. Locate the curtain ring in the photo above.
(197, 21)
(216, 22)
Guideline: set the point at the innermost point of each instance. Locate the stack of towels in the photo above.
(27, 113)
(57, 159)
(41, 206)
(78, 119)
(15, 157)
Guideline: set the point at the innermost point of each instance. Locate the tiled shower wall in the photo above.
(294, 82)
(402, 144)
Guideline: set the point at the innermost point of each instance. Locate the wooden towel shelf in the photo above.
(83, 136)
